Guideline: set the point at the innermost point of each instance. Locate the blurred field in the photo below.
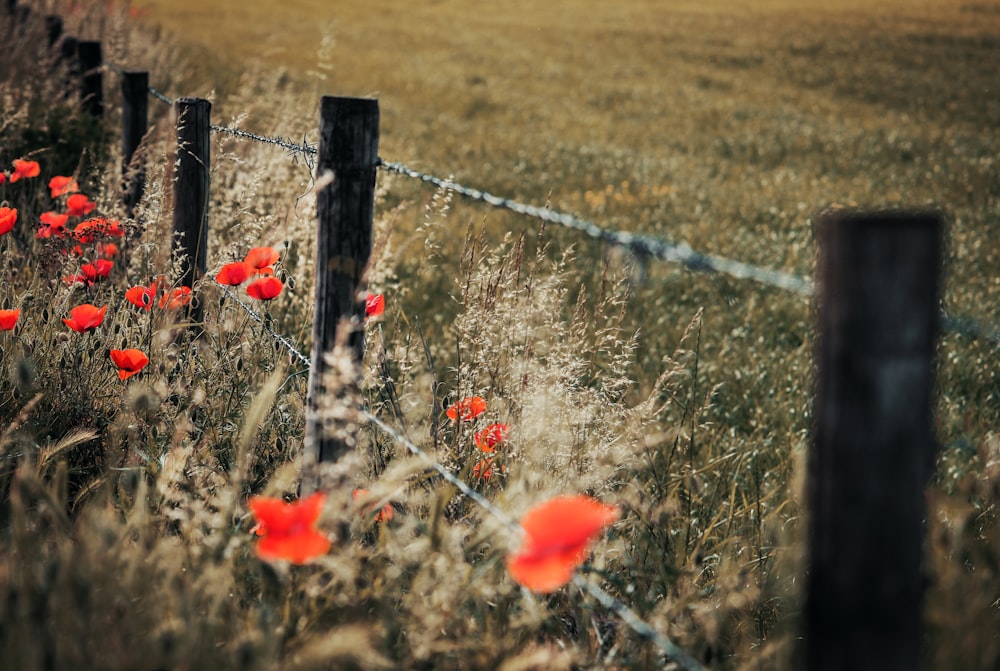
(722, 124)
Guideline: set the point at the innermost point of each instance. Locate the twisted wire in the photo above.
(642, 245)
(284, 143)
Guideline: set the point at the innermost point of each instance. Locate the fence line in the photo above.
(644, 246)
(627, 615)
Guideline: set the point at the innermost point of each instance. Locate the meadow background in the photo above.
(685, 398)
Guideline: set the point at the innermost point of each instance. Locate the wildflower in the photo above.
(374, 305)
(90, 230)
(485, 468)
(487, 439)
(179, 297)
(8, 217)
(383, 515)
(265, 288)
(557, 534)
(78, 205)
(53, 224)
(97, 271)
(3, 177)
(468, 409)
(108, 250)
(128, 361)
(287, 530)
(85, 317)
(234, 274)
(24, 169)
(260, 259)
(60, 186)
(142, 297)
(8, 318)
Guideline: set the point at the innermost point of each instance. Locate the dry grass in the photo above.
(685, 399)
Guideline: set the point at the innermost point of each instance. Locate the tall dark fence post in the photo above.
(53, 28)
(348, 149)
(191, 182)
(874, 448)
(135, 121)
(92, 82)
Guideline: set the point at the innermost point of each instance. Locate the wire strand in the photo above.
(642, 245)
(637, 624)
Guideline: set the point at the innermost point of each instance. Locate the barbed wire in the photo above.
(641, 245)
(305, 149)
(636, 623)
(644, 246)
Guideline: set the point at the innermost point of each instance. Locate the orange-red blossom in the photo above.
(85, 317)
(557, 535)
(467, 409)
(287, 530)
(128, 361)
(8, 318)
(8, 217)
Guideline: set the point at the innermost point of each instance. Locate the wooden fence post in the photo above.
(874, 448)
(348, 149)
(135, 121)
(92, 78)
(53, 28)
(191, 183)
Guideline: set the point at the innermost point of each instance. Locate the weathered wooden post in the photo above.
(135, 122)
(874, 448)
(53, 28)
(348, 154)
(191, 183)
(92, 77)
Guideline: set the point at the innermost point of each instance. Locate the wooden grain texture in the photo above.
(135, 123)
(191, 190)
(874, 448)
(348, 151)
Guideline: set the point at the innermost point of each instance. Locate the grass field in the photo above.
(685, 399)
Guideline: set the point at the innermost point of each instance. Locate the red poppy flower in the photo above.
(177, 298)
(8, 318)
(78, 205)
(24, 169)
(383, 515)
(90, 230)
(485, 468)
(53, 224)
(234, 274)
(97, 271)
(8, 217)
(60, 186)
(261, 259)
(287, 530)
(265, 288)
(85, 317)
(128, 361)
(108, 250)
(468, 408)
(374, 305)
(142, 297)
(487, 439)
(557, 534)
(3, 177)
